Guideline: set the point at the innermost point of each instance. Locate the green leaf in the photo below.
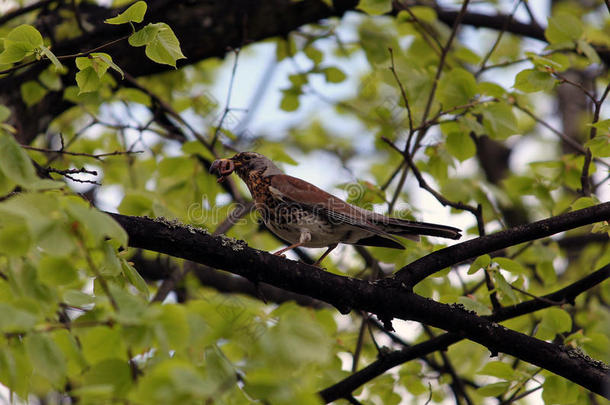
(21, 42)
(557, 391)
(145, 35)
(5, 112)
(171, 326)
(51, 56)
(494, 390)
(88, 80)
(410, 377)
(563, 28)
(510, 265)
(50, 79)
(491, 89)
(461, 145)
(6, 184)
(333, 75)
(107, 59)
(474, 305)
(498, 369)
(554, 321)
(584, 202)
(588, 51)
(375, 7)
(172, 379)
(604, 125)
(15, 239)
(15, 369)
(111, 266)
(56, 240)
(113, 372)
(290, 101)
(14, 52)
(77, 298)
(533, 80)
(548, 62)
(47, 358)
(56, 271)
(314, 54)
(499, 120)
(600, 145)
(99, 224)
(162, 46)
(465, 54)
(32, 92)
(480, 262)
(93, 394)
(15, 163)
(134, 277)
(135, 203)
(427, 14)
(547, 273)
(504, 288)
(26, 34)
(101, 343)
(14, 319)
(96, 63)
(135, 96)
(135, 13)
(456, 88)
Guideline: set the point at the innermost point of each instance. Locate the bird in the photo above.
(304, 215)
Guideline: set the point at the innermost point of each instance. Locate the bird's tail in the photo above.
(410, 229)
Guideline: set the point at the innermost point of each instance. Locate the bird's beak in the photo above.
(222, 168)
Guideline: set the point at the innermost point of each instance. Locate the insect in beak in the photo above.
(222, 168)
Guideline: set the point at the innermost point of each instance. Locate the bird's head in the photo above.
(243, 164)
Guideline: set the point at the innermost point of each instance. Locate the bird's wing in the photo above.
(300, 192)
(304, 193)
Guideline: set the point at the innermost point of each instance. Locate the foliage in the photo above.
(392, 93)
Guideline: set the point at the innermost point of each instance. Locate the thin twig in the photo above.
(498, 38)
(75, 55)
(584, 178)
(58, 326)
(227, 108)
(67, 173)
(99, 156)
(579, 86)
(423, 184)
(518, 397)
(359, 342)
(439, 71)
(402, 90)
(542, 299)
(425, 32)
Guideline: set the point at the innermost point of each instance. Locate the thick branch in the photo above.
(386, 298)
(159, 269)
(415, 272)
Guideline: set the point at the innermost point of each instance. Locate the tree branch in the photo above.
(415, 272)
(393, 359)
(386, 298)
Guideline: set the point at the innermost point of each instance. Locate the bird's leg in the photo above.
(279, 252)
(330, 249)
(304, 238)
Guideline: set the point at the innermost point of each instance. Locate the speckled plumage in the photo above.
(304, 215)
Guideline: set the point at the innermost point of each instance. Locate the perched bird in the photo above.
(304, 215)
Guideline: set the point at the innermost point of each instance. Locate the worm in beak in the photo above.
(222, 168)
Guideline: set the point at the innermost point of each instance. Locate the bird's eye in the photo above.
(247, 157)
